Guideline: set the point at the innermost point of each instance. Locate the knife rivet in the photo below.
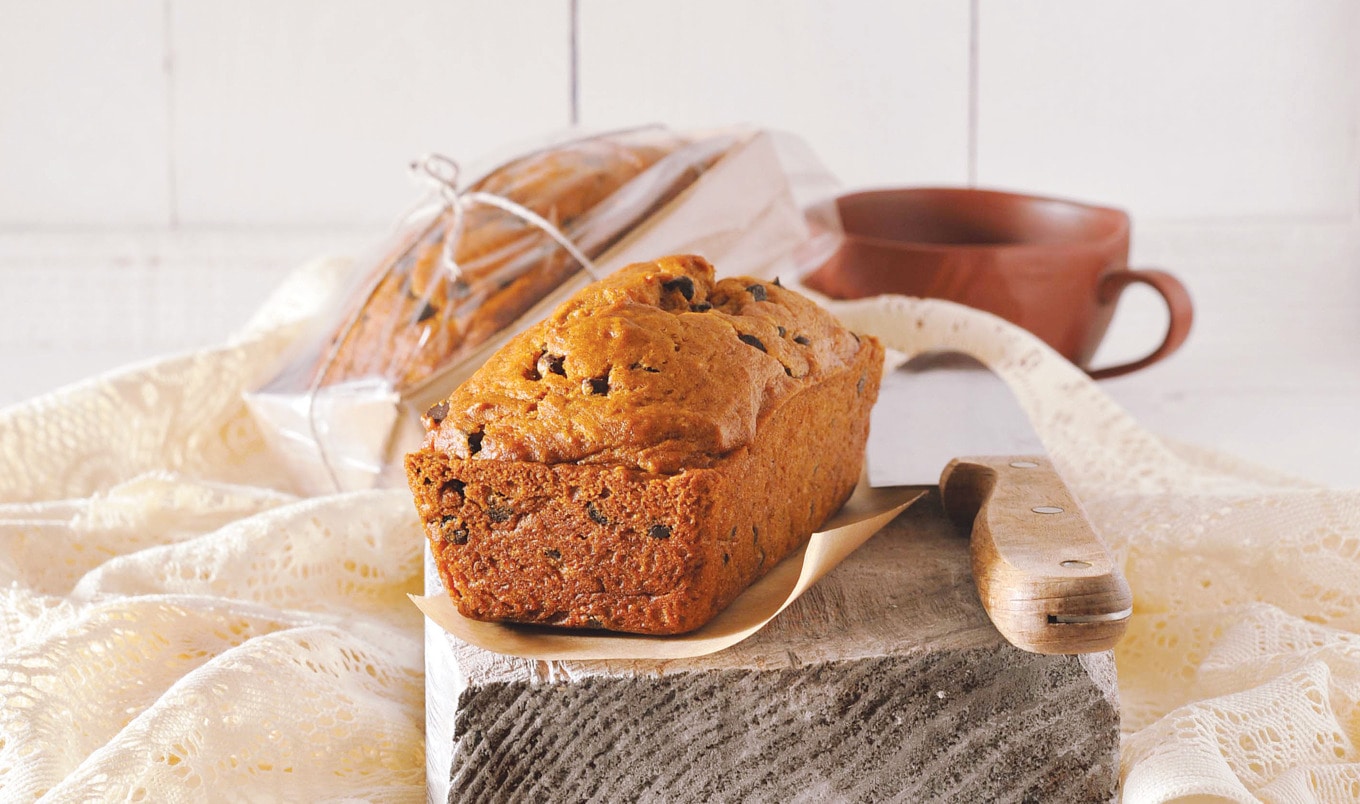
(1024, 464)
(1046, 509)
(1074, 564)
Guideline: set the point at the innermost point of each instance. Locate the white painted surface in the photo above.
(83, 113)
(77, 304)
(1271, 371)
(164, 162)
(1216, 108)
(881, 95)
(307, 113)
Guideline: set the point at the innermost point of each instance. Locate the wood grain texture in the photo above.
(1045, 578)
(885, 682)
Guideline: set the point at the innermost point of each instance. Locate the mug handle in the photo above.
(1178, 304)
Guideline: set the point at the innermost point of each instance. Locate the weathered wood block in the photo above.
(886, 681)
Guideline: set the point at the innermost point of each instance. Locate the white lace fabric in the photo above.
(176, 624)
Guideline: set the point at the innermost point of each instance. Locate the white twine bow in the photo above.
(441, 172)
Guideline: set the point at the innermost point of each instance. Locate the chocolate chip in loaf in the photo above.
(596, 386)
(451, 530)
(726, 558)
(551, 364)
(438, 413)
(648, 369)
(683, 284)
(752, 340)
(595, 515)
(451, 493)
(474, 443)
(700, 307)
(659, 532)
(757, 292)
(427, 312)
(782, 331)
(802, 340)
(499, 513)
(554, 554)
(776, 282)
(788, 371)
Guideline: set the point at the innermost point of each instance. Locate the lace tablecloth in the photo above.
(176, 624)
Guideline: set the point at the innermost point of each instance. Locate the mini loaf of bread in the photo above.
(642, 456)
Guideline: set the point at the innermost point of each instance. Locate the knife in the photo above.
(1045, 578)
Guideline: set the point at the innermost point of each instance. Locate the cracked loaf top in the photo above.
(657, 368)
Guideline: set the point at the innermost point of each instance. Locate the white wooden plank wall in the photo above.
(155, 154)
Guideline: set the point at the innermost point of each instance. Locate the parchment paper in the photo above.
(863, 515)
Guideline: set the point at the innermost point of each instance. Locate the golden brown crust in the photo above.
(649, 507)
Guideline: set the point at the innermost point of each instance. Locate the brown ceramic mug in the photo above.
(1054, 267)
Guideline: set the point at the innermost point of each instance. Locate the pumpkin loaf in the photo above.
(643, 455)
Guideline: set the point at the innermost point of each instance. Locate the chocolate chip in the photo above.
(757, 292)
(700, 307)
(449, 530)
(438, 413)
(599, 386)
(752, 341)
(426, 313)
(499, 513)
(782, 331)
(788, 371)
(648, 369)
(551, 364)
(474, 443)
(726, 558)
(595, 515)
(733, 534)
(604, 493)
(802, 339)
(683, 284)
(776, 282)
(552, 553)
(659, 532)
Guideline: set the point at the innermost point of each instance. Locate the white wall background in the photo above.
(164, 162)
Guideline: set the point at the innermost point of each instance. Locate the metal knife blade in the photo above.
(1045, 578)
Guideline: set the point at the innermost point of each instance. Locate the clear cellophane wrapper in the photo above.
(444, 293)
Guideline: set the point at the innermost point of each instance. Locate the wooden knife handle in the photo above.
(1045, 578)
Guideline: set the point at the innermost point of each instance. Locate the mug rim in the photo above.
(1119, 234)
